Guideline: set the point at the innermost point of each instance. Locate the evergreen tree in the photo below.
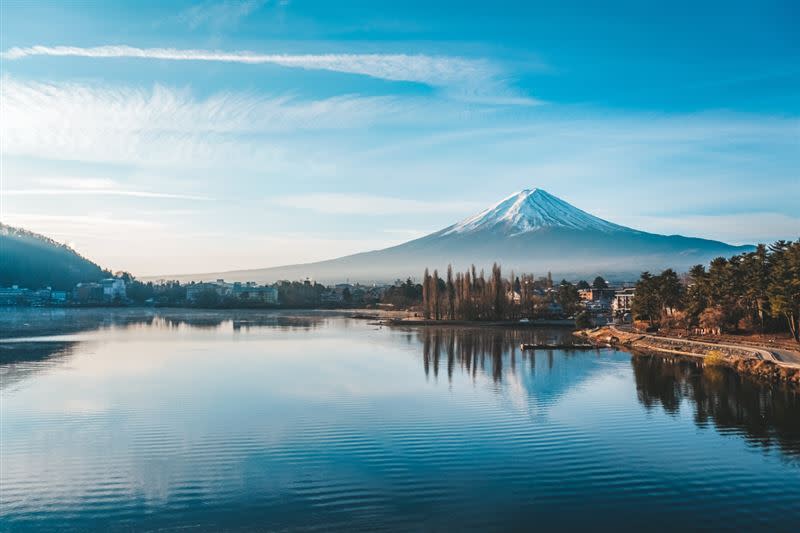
(670, 290)
(645, 304)
(696, 293)
(568, 297)
(784, 287)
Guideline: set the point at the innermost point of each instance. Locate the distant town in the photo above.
(603, 302)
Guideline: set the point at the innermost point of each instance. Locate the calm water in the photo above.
(250, 421)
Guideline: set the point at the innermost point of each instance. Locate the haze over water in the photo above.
(258, 420)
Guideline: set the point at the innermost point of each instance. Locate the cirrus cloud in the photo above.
(475, 80)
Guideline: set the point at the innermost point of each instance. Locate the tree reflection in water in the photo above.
(26, 346)
(766, 415)
(474, 348)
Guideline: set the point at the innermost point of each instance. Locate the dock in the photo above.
(569, 346)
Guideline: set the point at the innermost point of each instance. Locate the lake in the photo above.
(190, 420)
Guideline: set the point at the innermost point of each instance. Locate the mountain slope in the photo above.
(531, 210)
(530, 231)
(33, 261)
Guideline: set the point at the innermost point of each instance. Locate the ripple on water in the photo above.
(366, 430)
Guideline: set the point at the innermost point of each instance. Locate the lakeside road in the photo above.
(779, 356)
(786, 356)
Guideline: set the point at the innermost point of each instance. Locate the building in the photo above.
(58, 297)
(595, 295)
(13, 295)
(219, 287)
(88, 293)
(251, 292)
(331, 297)
(622, 301)
(40, 298)
(113, 289)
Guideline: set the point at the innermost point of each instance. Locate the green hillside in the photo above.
(34, 261)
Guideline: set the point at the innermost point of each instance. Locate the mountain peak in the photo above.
(532, 210)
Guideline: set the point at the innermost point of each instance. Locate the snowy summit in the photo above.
(532, 210)
(529, 231)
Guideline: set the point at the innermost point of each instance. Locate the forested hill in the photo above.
(34, 261)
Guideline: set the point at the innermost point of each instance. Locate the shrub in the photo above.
(714, 359)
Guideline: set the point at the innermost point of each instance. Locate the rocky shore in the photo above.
(746, 360)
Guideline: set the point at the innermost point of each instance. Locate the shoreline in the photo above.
(746, 360)
(565, 323)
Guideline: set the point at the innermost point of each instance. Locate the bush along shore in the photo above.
(746, 360)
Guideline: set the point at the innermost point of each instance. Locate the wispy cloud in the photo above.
(161, 125)
(100, 192)
(366, 204)
(80, 186)
(476, 80)
(218, 15)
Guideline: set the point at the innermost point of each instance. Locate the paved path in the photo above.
(779, 356)
(787, 356)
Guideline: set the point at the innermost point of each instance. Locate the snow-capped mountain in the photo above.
(532, 210)
(529, 231)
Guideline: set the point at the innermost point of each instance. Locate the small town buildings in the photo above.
(13, 295)
(113, 289)
(622, 301)
(85, 293)
(244, 291)
(252, 292)
(58, 297)
(596, 295)
(194, 290)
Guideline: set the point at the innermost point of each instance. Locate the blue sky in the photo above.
(179, 137)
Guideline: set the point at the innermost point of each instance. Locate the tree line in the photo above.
(472, 295)
(757, 291)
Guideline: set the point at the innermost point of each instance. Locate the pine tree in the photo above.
(784, 285)
(645, 304)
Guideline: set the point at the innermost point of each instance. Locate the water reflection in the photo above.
(21, 360)
(229, 421)
(35, 340)
(765, 415)
(471, 349)
(46, 322)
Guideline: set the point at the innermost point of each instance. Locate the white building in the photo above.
(113, 289)
(622, 301)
